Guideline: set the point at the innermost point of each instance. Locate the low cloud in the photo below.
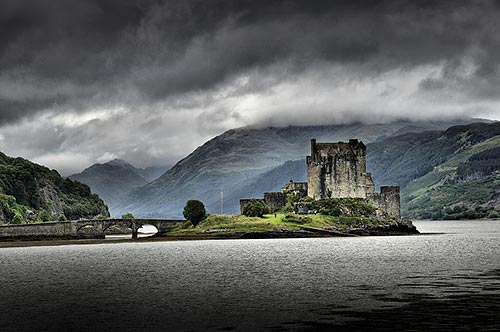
(148, 81)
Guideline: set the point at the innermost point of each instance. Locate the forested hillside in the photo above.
(30, 192)
(449, 174)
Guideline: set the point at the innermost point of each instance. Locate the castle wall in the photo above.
(315, 178)
(338, 170)
(295, 188)
(388, 200)
(275, 200)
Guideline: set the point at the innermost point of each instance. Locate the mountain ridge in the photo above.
(237, 157)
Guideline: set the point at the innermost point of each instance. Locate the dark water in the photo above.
(445, 282)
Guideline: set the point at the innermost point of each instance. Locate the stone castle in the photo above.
(336, 170)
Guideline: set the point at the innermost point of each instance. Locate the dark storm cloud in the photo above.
(107, 49)
(150, 80)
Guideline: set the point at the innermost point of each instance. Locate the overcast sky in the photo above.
(149, 81)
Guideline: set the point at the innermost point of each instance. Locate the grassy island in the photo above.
(287, 225)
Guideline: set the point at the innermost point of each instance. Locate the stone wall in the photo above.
(388, 200)
(275, 200)
(338, 170)
(65, 229)
(295, 188)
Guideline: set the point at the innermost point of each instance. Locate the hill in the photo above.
(30, 192)
(115, 179)
(238, 160)
(443, 174)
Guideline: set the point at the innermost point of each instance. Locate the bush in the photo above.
(256, 208)
(44, 215)
(18, 219)
(350, 207)
(128, 216)
(493, 214)
(194, 211)
(62, 217)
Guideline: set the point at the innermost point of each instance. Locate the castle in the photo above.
(336, 170)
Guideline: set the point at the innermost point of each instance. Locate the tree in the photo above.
(291, 199)
(256, 208)
(128, 216)
(194, 211)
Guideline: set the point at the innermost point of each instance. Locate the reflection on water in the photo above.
(449, 280)
(143, 231)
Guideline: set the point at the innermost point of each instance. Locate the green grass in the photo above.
(227, 225)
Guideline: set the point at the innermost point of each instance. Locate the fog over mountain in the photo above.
(148, 81)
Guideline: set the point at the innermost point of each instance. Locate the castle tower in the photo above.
(338, 170)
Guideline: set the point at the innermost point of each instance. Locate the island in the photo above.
(339, 199)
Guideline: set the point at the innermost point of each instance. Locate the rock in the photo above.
(52, 200)
(30, 216)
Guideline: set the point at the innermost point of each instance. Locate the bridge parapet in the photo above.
(73, 228)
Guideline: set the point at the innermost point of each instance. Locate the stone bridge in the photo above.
(82, 228)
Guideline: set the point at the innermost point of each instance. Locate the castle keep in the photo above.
(336, 170)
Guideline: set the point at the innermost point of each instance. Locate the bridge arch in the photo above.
(99, 227)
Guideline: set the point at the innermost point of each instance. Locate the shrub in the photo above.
(194, 211)
(128, 216)
(61, 217)
(44, 215)
(18, 219)
(337, 207)
(494, 214)
(256, 208)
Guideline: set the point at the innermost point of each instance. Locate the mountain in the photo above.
(236, 161)
(451, 174)
(116, 178)
(30, 192)
(153, 172)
